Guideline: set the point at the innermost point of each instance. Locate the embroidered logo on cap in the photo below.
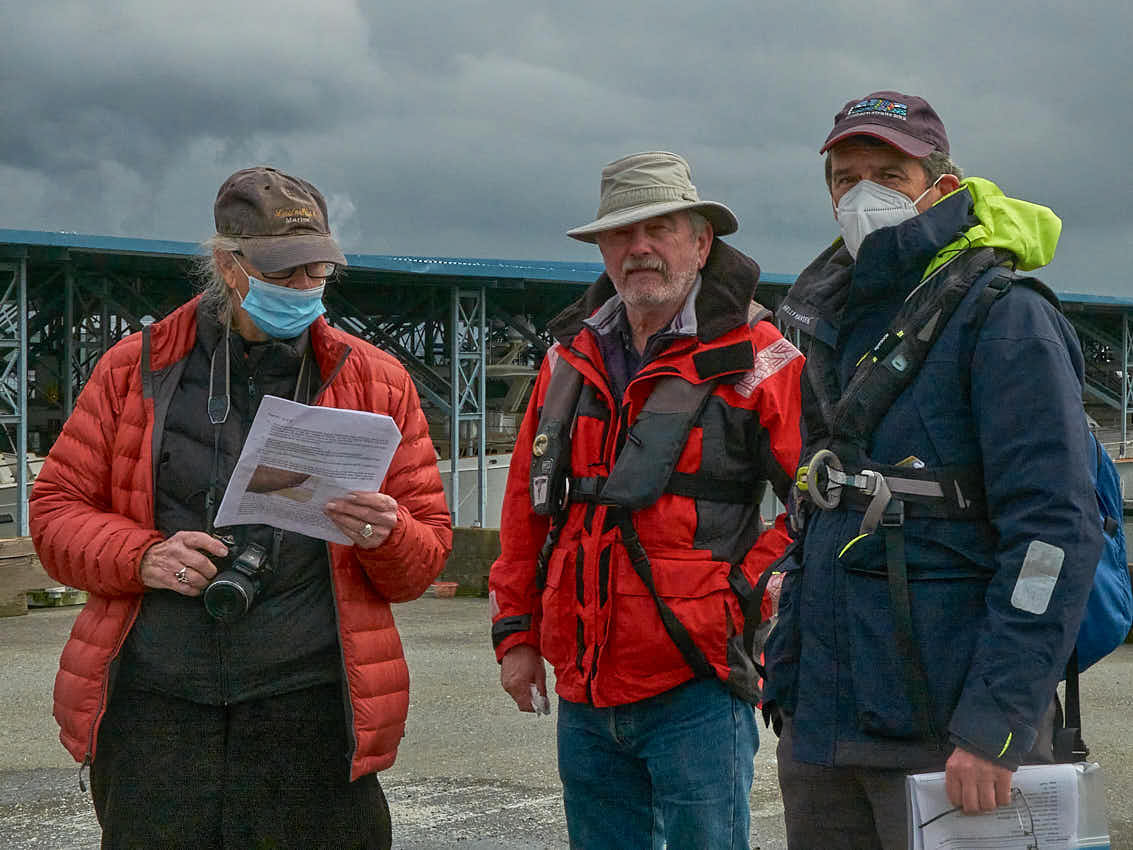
(879, 106)
(295, 215)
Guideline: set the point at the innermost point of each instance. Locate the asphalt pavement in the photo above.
(472, 773)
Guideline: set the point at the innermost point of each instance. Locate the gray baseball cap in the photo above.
(644, 185)
(279, 220)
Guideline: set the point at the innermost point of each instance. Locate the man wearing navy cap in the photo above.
(947, 521)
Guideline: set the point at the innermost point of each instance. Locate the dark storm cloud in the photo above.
(455, 127)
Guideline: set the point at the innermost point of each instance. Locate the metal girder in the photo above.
(522, 327)
(342, 313)
(1126, 380)
(14, 377)
(468, 344)
(1108, 353)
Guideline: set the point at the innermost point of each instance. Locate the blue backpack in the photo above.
(1109, 611)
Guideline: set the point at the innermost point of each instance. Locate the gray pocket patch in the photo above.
(1037, 577)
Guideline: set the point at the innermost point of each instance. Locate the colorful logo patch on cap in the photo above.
(879, 106)
(295, 214)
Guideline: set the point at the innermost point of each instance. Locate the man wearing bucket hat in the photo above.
(632, 538)
(262, 724)
(947, 520)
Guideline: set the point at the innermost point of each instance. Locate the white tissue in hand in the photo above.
(539, 701)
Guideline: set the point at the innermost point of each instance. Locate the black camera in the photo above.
(240, 576)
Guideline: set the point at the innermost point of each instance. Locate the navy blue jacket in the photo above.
(993, 647)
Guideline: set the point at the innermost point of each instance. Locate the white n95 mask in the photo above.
(869, 206)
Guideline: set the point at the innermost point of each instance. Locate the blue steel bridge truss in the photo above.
(468, 330)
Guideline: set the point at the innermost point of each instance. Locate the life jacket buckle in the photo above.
(816, 480)
(866, 482)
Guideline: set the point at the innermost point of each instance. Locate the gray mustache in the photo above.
(655, 264)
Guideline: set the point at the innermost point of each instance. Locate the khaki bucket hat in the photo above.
(644, 185)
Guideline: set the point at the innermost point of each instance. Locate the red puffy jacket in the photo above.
(92, 518)
(594, 619)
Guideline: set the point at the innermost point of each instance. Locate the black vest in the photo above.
(289, 638)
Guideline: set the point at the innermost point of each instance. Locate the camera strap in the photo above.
(219, 406)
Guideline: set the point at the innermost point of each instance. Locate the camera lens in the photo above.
(229, 596)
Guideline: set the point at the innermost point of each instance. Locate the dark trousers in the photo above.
(860, 808)
(841, 808)
(268, 773)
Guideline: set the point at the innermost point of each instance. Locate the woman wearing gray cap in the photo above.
(244, 719)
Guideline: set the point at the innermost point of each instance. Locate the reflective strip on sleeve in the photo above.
(1037, 577)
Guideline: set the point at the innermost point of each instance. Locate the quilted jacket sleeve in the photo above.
(415, 552)
(89, 511)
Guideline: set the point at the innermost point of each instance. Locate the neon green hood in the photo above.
(1029, 231)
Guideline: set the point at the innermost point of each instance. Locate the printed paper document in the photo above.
(297, 458)
(1043, 813)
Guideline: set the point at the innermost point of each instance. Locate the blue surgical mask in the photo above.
(280, 311)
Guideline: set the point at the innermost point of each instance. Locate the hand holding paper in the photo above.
(366, 518)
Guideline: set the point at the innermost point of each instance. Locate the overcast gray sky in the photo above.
(463, 128)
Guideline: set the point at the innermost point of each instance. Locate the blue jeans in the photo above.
(679, 763)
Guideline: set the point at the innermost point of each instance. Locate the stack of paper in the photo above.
(1053, 807)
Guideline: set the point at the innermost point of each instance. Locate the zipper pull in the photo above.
(84, 766)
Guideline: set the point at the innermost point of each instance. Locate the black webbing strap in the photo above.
(543, 559)
(676, 630)
(691, 484)
(916, 682)
(961, 489)
(697, 486)
(755, 627)
(1069, 746)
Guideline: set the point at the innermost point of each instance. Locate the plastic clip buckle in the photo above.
(894, 514)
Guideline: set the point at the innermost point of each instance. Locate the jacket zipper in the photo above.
(615, 435)
(348, 705)
(104, 695)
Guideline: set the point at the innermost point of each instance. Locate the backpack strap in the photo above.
(1068, 743)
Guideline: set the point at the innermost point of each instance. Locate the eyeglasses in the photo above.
(315, 271)
(1022, 811)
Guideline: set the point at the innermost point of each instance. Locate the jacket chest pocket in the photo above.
(560, 608)
(945, 606)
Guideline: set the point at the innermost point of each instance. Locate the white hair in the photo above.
(214, 290)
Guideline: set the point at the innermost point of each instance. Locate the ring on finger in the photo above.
(367, 531)
(182, 575)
